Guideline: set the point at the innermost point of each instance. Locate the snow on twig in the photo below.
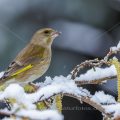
(24, 104)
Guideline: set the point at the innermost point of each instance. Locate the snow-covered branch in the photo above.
(51, 87)
(97, 74)
(33, 115)
(21, 104)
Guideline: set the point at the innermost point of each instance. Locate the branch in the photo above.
(31, 115)
(96, 62)
(90, 102)
(88, 63)
(57, 86)
(96, 81)
(86, 99)
(61, 85)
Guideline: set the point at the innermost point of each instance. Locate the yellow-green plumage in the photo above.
(40, 62)
(33, 61)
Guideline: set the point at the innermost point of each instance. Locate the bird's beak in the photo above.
(59, 33)
(55, 34)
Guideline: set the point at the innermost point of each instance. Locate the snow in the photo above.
(44, 115)
(116, 48)
(1, 74)
(58, 84)
(97, 74)
(113, 48)
(113, 108)
(108, 102)
(11, 119)
(17, 92)
(13, 91)
(38, 115)
(102, 98)
(49, 87)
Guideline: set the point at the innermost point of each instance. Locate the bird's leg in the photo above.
(30, 87)
(33, 85)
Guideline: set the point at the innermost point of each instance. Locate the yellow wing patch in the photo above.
(22, 70)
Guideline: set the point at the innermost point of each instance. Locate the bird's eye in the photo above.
(46, 31)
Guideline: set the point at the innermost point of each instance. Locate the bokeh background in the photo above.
(89, 28)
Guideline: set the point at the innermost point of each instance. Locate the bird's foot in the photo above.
(30, 87)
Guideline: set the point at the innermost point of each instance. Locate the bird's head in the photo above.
(45, 36)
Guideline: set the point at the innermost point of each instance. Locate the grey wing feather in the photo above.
(15, 66)
(11, 69)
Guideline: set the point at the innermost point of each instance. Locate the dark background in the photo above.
(89, 28)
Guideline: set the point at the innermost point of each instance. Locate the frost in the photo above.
(102, 98)
(114, 48)
(38, 115)
(98, 73)
(1, 74)
(25, 104)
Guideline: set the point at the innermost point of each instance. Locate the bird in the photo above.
(33, 60)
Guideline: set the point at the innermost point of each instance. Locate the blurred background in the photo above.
(89, 28)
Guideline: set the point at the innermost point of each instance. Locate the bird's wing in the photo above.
(16, 68)
(24, 61)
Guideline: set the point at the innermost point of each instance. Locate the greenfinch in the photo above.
(33, 61)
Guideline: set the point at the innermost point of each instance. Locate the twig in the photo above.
(96, 81)
(90, 102)
(86, 100)
(12, 114)
(88, 63)
(93, 63)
